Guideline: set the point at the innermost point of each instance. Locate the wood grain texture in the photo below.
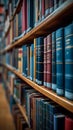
(67, 104)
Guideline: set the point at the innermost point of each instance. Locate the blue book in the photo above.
(54, 61)
(30, 17)
(40, 60)
(32, 61)
(51, 109)
(69, 61)
(59, 122)
(60, 61)
(24, 60)
(20, 23)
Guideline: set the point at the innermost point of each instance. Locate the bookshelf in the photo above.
(21, 108)
(52, 22)
(60, 100)
(61, 16)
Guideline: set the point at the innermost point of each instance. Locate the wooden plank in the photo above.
(67, 104)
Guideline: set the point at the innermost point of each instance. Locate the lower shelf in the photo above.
(67, 104)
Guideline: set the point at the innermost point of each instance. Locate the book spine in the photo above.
(60, 61)
(31, 61)
(29, 15)
(28, 61)
(43, 9)
(47, 7)
(59, 122)
(20, 54)
(49, 61)
(40, 60)
(24, 60)
(45, 61)
(20, 23)
(69, 61)
(54, 61)
(34, 59)
(68, 123)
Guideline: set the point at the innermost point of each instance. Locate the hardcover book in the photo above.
(69, 61)
(49, 61)
(60, 61)
(59, 122)
(54, 61)
(68, 123)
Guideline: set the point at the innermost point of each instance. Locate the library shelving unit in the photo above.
(60, 16)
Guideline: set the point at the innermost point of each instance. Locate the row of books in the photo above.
(48, 61)
(19, 120)
(29, 15)
(43, 114)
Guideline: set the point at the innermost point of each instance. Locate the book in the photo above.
(24, 16)
(28, 61)
(59, 122)
(51, 109)
(20, 62)
(43, 9)
(68, 123)
(47, 7)
(68, 32)
(45, 61)
(30, 21)
(24, 60)
(60, 61)
(54, 61)
(39, 60)
(49, 61)
(19, 23)
(32, 61)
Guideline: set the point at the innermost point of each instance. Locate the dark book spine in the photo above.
(45, 61)
(40, 60)
(32, 61)
(60, 61)
(68, 123)
(54, 61)
(59, 122)
(20, 23)
(28, 61)
(49, 61)
(24, 60)
(30, 13)
(69, 61)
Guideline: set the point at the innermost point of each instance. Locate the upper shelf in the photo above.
(48, 93)
(58, 18)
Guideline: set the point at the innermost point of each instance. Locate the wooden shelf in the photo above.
(22, 110)
(67, 104)
(59, 17)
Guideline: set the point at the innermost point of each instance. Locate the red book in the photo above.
(43, 9)
(45, 61)
(68, 123)
(24, 16)
(49, 61)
